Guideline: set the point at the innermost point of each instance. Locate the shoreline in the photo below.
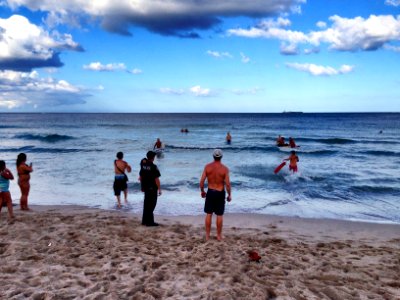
(64, 252)
(43, 207)
(353, 220)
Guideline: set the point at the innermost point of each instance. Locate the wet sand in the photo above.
(71, 252)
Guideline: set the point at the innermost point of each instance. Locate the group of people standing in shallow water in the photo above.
(215, 173)
(23, 171)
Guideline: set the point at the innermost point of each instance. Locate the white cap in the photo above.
(217, 153)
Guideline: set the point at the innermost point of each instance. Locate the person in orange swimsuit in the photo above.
(158, 144)
(24, 176)
(293, 158)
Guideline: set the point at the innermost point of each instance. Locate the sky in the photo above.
(199, 56)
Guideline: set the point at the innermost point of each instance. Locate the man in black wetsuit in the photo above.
(150, 183)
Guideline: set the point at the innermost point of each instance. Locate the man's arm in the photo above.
(202, 180)
(128, 168)
(158, 185)
(228, 185)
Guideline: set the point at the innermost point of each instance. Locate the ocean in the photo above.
(349, 164)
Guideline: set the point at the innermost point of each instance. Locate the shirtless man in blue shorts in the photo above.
(217, 176)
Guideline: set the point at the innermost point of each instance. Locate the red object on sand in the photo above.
(278, 168)
(253, 256)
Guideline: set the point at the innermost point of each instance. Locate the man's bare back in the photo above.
(121, 165)
(217, 176)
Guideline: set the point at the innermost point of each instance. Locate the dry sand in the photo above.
(69, 252)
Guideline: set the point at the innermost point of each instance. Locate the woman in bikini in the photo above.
(24, 176)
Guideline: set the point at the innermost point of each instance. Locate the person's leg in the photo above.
(118, 201)
(219, 227)
(21, 200)
(126, 196)
(219, 211)
(7, 197)
(153, 204)
(146, 219)
(27, 189)
(1, 201)
(124, 187)
(208, 226)
(117, 193)
(24, 196)
(144, 210)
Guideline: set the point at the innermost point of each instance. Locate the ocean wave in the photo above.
(48, 138)
(276, 203)
(8, 126)
(329, 141)
(117, 126)
(244, 148)
(374, 189)
(189, 184)
(262, 173)
(342, 141)
(381, 153)
(319, 152)
(33, 149)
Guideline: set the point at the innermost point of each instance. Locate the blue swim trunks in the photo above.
(120, 184)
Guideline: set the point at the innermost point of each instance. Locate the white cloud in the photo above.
(217, 54)
(172, 17)
(10, 103)
(136, 71)
(317, 70)
(359, 33)
(199, 91)
(321, 24)
(392, 2)
(172, 91)
(271, 29)
(344, 34)
(289, 49)
(111, 67)
(98, 66)
(245, 59)
(28, 89)
(279, 22)
(311, 50)
(24, 46)
(392, 48)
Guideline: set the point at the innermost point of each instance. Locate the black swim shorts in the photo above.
(215, 202)
(119, 186)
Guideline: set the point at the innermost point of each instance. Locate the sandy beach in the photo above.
(72, 252)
